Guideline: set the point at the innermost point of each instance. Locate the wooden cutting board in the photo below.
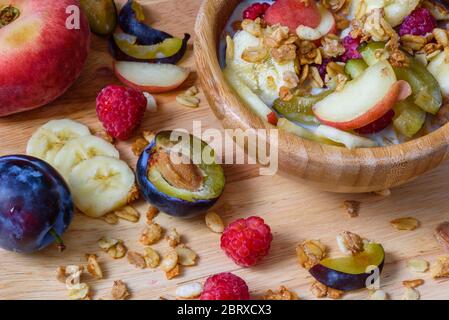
(294, 211)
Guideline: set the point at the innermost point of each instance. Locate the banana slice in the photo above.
(80, 149)
(101, 185)
(46, 142)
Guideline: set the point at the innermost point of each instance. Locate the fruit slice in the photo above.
(351, 141)
(302, 132)
(245, 93)
(131, 20)
(327, 25)
(355, 67)
(46, 142)
(409, 118)
(81, 149)
(292, 13)
(352, 272)
(102, 15)
(153, 78)
(372, 52)
(439, 68)
(101, 185)
(363, 100)
(300, 108)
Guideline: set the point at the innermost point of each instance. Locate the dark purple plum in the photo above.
(35, 204)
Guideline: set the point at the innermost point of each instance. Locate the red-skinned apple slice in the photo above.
(326, 26)
(363, 100)
(150, 77)
(292, 13)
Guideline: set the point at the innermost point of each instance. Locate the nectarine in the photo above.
(40, 56)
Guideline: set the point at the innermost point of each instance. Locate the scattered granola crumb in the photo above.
(118, 251)
(350, 243)
(128, 213)
(186, 256)
(442, 235)
(408, 223)
(188, 101)
(152, 258)
(214, 222)
(173, 273)
(151, 234)
(110, 218)
(318, 289)
(440, 269)
(411, 294)
(173, 237)
(309, 253)
(133, 195)
(120, 290)
(189, 291)
(93, 267)
(138, 146)
(282, 294)
(334, 293)
(418, 265)
(352, 208)
(378, 295)
(152, 213)
(412, 284)
(169, 261)
(79, 291)
(136, 259)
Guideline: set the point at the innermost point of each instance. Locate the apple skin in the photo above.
(292, 13)
(398, 92)
(40, 58)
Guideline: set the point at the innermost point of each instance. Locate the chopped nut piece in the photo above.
(60, 274)
(214, 222)
(411, 294)
(151, 234)
(413, 283)
(120, 290)
(418, 265)
(254, 27)
(118, 251)
(189, 291)
(282, 294)
(186, 256)
(378, 295)
(136, 259)
(169, 261)
(173, 273)
(151, 257)
(318, 289)
(128, 213)
(65, 271)
(106, 243)
(284, 53)
(310, 253)
(79, 291)
(352, 208)
(152, 213)
(408, 224)
(138, 146)
(133, 195)
(173, 237)
(350, 243)
(442, 235)
(188, 101)
(93, 267)
(440, 269)
(110, 218)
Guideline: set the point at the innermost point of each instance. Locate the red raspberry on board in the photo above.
(225, 286)
(247, 241)
(418, 23)
(121, 110)
(351, 45)
(378, 125)
(256, 10)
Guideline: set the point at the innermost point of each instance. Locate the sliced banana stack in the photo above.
(99, 181)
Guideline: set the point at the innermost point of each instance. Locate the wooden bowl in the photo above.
(330, 168)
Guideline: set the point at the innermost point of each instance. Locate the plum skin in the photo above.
(34, 200)
(165, 203)
(340, 280)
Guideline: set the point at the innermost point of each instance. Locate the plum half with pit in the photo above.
(351, 272)
(178, 174)
(35, 204)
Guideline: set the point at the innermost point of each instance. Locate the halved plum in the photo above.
(102, 15)
(178, 174)
(351, 272)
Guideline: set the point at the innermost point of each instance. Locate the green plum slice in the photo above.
(102, 15)
(409, 118)
(300, 108)
(355, 67)
(371, 52)
(350, 272)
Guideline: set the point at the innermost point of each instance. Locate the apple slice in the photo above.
(326, 26)
(364, 99)
(292, 13)
(150, 77)
(349, 140)
(439, 68)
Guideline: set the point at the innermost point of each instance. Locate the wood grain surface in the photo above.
(295, 211)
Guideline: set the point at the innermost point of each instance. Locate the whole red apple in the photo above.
(41, 54)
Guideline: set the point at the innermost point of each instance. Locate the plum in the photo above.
(102, 15)
(349, 273)
(35, 204)
(182, 189)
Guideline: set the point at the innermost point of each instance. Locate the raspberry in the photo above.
(377, 125)
(256, 10)
(121, 110)
(351, 46)
(247, 241)
(225, 286)
(418, 23)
